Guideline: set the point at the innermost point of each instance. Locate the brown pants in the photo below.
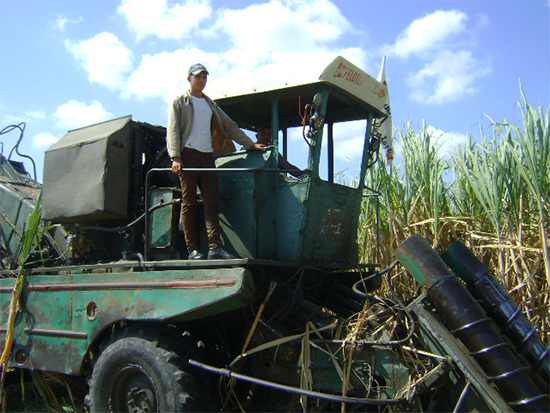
(208, 184)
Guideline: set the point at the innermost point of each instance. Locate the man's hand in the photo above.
(177, 165)
(257, 147)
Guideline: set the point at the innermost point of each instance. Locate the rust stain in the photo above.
(180, 284)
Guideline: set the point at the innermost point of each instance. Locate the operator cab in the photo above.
(111, 186)
(267, 214)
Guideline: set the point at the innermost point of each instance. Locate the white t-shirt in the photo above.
(200, 137)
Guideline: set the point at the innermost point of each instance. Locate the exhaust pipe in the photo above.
(465, 318)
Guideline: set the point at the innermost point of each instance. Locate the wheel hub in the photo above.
(134, 391)
(140, 400)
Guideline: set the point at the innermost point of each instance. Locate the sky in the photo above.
(456, 65)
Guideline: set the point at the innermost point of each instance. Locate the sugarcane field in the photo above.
(251, 225)
(375, 326)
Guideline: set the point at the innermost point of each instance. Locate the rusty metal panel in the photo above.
(42, 328)
(330, 233)
(5, 299)
(62, 314)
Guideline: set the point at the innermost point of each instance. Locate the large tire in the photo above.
(137, 375)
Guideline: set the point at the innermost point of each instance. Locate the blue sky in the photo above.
(455, 64)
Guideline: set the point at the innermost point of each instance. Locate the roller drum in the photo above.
(467, 320)
(500, 306)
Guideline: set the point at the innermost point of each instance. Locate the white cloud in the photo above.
(428, 33)
(104, 57)
(482, 20)
(447, 142)
(164, 19)
(157, 74)
(350, 150)
(75, 114)
(35, 115)
(293, 29)
(443, 42)
(8, 119)
(350, 138)
(62, 21)
(256, 52)
(297, 34)
(277, 71)
(28, 116)
(165, 74)
(44, 140)
(449, 77)
(292, 26)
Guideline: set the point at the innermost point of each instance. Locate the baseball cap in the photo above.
(196, 69)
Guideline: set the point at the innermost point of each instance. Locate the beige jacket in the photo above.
(224, 130)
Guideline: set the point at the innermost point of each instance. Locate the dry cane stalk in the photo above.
(14, 308)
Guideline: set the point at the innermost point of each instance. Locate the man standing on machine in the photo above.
(198, 131)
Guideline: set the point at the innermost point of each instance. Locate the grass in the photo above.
(28, 241)
(42, 394)
(494, 195)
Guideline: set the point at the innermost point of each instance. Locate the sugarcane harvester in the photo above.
(104, 289)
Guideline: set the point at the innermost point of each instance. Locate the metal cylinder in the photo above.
(467, 320)
(498, 304)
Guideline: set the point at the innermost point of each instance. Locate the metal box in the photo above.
(86, 174)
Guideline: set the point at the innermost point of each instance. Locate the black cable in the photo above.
(285, 311)
(390, 343)
(131, 224)
(16, 147)
(355, 286)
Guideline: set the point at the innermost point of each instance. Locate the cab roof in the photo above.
(353, 95)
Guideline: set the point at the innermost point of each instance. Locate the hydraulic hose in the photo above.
(340, 399)
(131, 224)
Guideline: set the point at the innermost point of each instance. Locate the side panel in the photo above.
(291, 209)
(62, 315)
(245, 218)
(331, 223)
(237, 207)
